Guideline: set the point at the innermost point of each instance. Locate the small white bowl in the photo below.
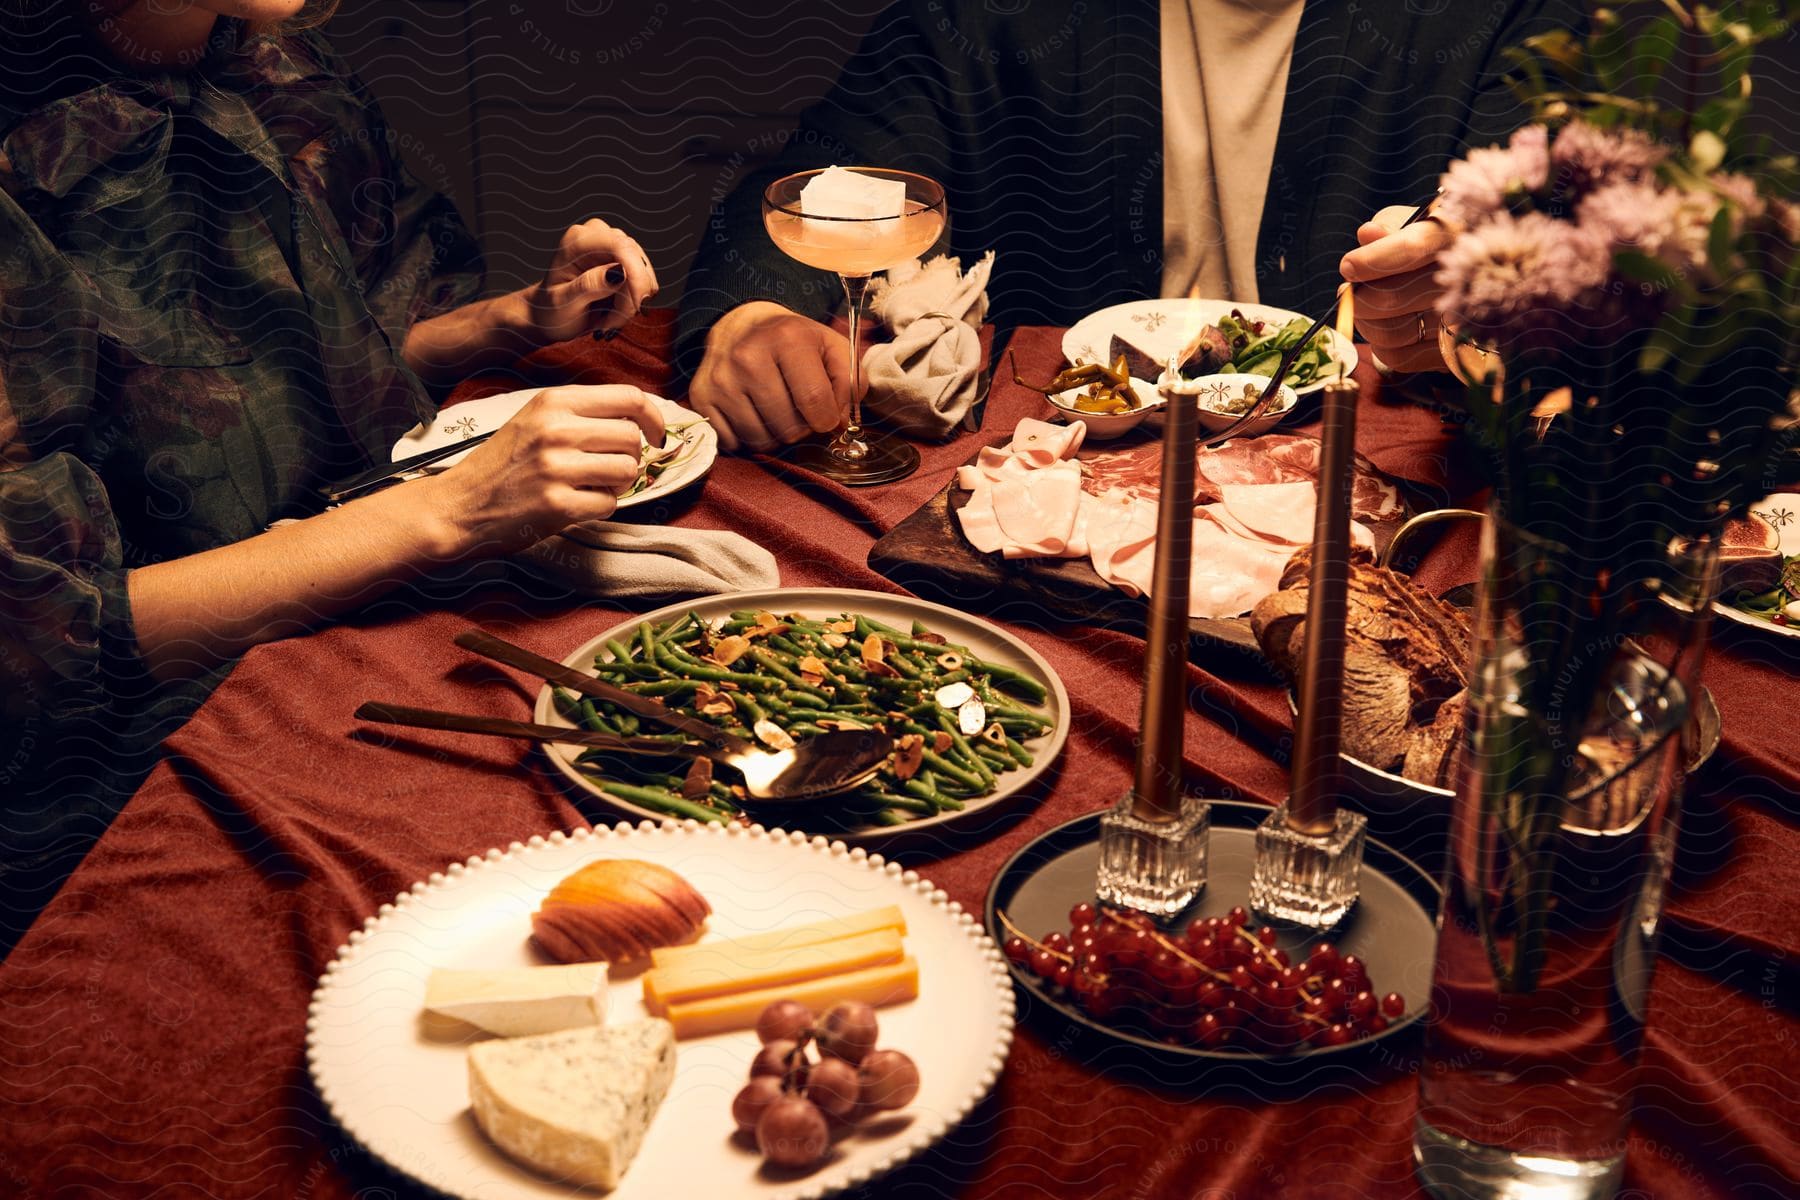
(1213, 391)
(1102, 426)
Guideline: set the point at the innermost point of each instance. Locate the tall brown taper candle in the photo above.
(1156, 791)
(1317, 772)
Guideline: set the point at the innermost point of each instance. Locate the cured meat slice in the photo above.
(1036, 510)
(1280, 511)
(1135, 471)
(1121, 540)
(1238, 462)
(1039, 443)
(1272, 458)
(977, 519)
(1254, 506)
(1231, 573)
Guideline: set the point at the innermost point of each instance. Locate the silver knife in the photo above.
(355, 485)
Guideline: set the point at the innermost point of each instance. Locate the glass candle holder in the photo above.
(1154, 866)
(1309, 879)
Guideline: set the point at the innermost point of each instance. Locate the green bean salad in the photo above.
(959, 722)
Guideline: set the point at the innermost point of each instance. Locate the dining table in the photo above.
(153, 1021)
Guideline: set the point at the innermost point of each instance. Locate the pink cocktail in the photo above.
(855, 247)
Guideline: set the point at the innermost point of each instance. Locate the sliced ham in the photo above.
(979, 524)
(1282, 512)
(1039, 443)
(1122, 541)
(1231, 573)
(1037, 509)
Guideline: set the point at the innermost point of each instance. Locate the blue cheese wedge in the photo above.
(573, 1105)
(520, 1001)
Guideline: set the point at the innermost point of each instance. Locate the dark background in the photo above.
(535, 114)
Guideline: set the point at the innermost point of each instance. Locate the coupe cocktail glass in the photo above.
(855, 248)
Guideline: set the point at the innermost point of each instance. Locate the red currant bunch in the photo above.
(1216, 984)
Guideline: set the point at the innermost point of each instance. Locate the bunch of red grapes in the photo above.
(791, 1100)
(1217, 984)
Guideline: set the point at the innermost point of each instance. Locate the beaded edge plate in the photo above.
(404, 1097)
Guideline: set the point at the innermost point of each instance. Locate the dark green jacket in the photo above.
(1042, 118)
(206, 276)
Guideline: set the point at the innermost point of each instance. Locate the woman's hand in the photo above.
(598, 280)
(564, 458)
(1394, 271)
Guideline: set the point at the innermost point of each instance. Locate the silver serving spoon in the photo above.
(819, 766)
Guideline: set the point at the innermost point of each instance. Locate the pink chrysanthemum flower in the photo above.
(1480, 185)
(1585, 158)
(1741, 191)
(1690, 225)
(1631, 216)
(1525, 278)
(1786, 214)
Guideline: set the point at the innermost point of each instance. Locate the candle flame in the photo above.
(1346, 314)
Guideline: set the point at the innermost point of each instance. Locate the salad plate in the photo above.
(981, 638)
(402, 1092)
(688, 451)
(1161, 328)
(1782, 512)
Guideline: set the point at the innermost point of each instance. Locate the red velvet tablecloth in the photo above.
(152, 1023)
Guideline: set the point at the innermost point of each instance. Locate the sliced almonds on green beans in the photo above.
(954, 695)
(971, 716)
(779, 678)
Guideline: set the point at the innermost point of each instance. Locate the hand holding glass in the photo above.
(855, 247)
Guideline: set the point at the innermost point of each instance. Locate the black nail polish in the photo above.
(615, 275)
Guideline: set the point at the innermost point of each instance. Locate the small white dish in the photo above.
(698, 440)
(1103, 426)
(1213, 392)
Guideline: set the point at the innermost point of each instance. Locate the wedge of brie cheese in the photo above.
(573, 1105)
(519, 1001)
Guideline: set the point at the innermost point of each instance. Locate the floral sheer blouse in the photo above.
(206, 278)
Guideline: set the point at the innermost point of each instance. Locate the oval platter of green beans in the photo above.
(791, 663)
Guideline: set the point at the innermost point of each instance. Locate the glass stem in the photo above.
(855, 286)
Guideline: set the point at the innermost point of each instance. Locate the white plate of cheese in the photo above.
(400, 1086)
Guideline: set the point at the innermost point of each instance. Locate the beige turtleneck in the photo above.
(1224, 76)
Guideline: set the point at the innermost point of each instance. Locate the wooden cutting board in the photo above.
(928, 555)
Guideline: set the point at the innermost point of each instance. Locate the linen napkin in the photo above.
(614, 558)
(925, 380)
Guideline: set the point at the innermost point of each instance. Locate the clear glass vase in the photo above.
(1561, 841)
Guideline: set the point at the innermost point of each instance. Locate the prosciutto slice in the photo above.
(1272, 458)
